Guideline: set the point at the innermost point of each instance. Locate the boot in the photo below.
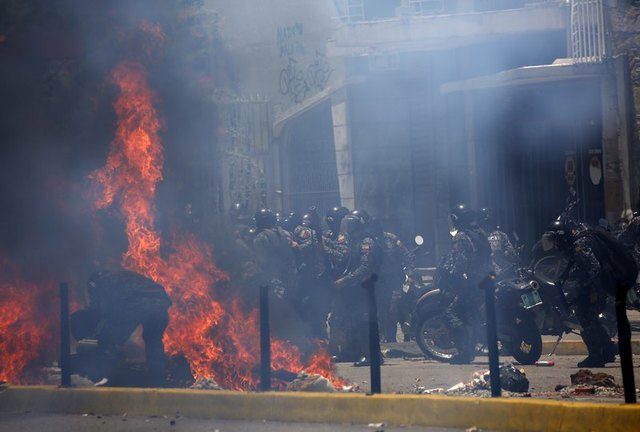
(592, 361)
(609, 352)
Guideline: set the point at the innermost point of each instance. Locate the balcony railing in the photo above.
(588, 43)
(372, 10)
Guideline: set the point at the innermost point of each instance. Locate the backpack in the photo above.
(623, 267)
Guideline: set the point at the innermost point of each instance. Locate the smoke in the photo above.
(57, 120)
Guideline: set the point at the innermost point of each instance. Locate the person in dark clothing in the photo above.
(595, 278)
(630, 239)
(468, 262)
(120, 301)
(335, 244)
(397, 262)
(503, 254)
(333, 219)
(292, 221)
(274, 249)
(350, 309)
(313, 291)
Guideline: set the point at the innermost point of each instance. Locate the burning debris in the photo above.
(206, 384)
(311, 383)
(210, 328)
(27, 325)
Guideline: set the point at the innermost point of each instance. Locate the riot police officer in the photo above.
(291, 221)
(468, 262)
(277, 270)
(363, 260)
(397, 262)
(593, 271)
(333, 218)
(313, 291)
(335, 245)
(503, 254)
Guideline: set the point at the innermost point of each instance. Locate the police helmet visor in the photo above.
(350, 225)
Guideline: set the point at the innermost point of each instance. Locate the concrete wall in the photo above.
(279, 48)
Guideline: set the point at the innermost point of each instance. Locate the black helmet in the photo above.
(311, 218)
(462, 217)
(334, 217)
(292, 221)
(355, 222)
(264, 219)
(363, 215)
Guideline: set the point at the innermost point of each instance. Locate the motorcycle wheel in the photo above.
(525, 341)
(434, 338)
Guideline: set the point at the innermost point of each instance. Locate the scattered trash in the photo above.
(584, 390)
(102, 382)
(586, 377)
(586, 383)
(376, 425)
(438, 390)
(547, 363)
(311, 383)
(472, 429)
(206, 384)
(511, 379)
(459, 386)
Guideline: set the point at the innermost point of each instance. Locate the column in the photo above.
(342, 143)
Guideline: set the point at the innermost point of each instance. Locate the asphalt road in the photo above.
(403, 376)
(98, 423)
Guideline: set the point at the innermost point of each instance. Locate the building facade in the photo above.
(405, 108)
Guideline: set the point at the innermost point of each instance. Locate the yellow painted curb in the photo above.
(436, 411)
(577, 347)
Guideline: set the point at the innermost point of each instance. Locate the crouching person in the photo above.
(120, 301)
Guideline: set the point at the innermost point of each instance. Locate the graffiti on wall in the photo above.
(289, 42)
(298, 81)
(299, 78)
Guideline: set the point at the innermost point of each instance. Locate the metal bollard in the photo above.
(65, 343)
(489, 286)
(624, 345)
(265, 341)
(374, 335)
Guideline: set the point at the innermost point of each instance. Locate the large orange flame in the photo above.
(216, 336)
(27, 325)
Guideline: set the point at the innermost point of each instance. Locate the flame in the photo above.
(27, 326)
(218, 337)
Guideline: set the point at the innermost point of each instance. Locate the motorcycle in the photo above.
(551, 269)
(518, 333)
